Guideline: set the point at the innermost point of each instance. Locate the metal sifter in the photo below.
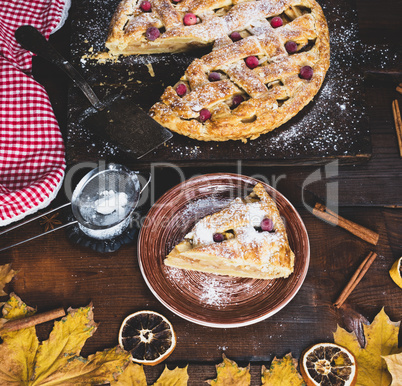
(102, 203)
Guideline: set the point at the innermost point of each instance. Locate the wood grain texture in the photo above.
(380, 24)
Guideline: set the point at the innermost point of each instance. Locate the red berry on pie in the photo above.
(189, 19)
(152, 33)
(306, 72)
(214, 76)
(176, 1)
(218, 237)
(291, 47)
(181, 89)
(235, 36)
(252, 62)
(276, 22)
(205, 114)
(237, 99)
(146, 6)
(267, 225)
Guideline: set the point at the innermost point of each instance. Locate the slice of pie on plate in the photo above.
(245, 239)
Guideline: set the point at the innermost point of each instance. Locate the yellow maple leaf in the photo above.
(6, 274)
(394, 364)
(56, 361)
(133, 375)
(175, 377)
(15, 308)
(282, 372)
(381, 340)
(229, 373)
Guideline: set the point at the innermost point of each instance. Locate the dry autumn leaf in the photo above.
(282, 372)
(381, 340)
(15, 309)
(56, 361)
(175, 377)
(133, 375)
(6, 274)
(394, 364)
(229, 373)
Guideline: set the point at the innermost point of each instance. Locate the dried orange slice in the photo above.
(395, 272)
(328, 364)
(148, 336)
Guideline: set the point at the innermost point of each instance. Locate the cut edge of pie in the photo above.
(246, 250)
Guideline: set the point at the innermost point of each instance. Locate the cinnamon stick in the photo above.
(354, 281)
(399, 88)
(326, 214)
(398, 124)
(18, 324)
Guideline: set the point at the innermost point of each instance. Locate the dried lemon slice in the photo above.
(328, 364)
(148, 336)
(395, 272)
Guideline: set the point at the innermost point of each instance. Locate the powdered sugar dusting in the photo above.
(215, 290)
(241, 217)
(214, 293)
(202, 207)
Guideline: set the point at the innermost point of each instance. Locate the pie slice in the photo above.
(245, 239)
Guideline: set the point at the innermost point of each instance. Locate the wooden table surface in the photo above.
(54, 272)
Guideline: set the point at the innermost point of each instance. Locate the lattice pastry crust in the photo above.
(246, 250)
(270, 94)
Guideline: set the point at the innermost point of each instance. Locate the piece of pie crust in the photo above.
(246, 251)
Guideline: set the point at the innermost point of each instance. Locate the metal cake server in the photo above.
(117, 119)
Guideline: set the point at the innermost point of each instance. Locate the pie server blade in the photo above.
(117, 119)
(126, 125)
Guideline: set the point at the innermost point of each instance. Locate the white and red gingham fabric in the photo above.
(31, 146)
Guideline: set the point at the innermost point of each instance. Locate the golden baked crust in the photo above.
(246, 251)
(273, 92)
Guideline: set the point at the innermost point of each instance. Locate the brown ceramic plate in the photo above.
(207, 299)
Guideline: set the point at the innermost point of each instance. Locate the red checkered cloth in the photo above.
(31, 146)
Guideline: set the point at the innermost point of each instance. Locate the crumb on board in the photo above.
(150, 69)
(101, 57)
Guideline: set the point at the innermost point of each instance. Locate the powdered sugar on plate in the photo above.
(202, 207)
(212, 291)
(215, 290)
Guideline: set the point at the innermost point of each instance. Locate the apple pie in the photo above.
(268, 61)
(245, 239)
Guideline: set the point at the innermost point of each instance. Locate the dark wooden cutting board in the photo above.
(333, 125)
